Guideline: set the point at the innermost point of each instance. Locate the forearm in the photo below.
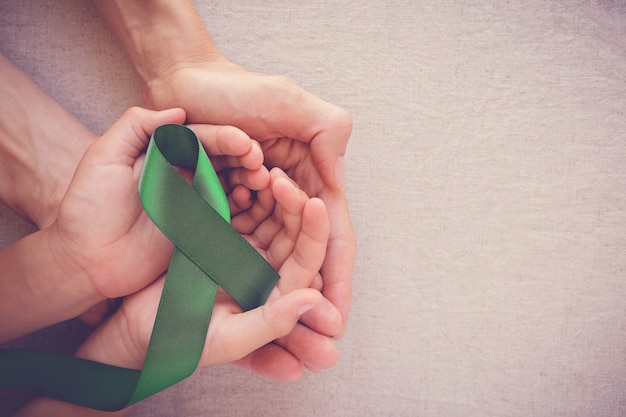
(40, 146)
(36, 289)
(157, 35)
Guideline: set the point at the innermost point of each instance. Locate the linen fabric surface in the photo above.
(487, 186)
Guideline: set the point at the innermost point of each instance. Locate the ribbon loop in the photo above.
(242, 272)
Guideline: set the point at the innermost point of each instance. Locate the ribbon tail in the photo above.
(179, 334)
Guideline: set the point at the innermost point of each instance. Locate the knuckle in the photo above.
(135, 111)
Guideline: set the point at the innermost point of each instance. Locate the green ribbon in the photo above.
(208, 254)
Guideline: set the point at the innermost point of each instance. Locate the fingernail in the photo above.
(294, 189)
(303, 309)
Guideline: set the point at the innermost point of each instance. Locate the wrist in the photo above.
(57, 170)
(157, 36)
(35, 280)
(173, 87)
(111, 343)
(40, 148)
(72, 280)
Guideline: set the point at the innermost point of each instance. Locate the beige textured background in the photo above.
(487, 179)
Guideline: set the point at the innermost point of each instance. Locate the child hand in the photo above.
(102, 236)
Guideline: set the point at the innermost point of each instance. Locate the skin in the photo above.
(177, 64)
(82, 257)
(41, 144)
(289, 229)
(297, 132)
(56, 295)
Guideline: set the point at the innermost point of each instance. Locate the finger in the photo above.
(239, 334)
(315, 351)
(324, 319)
(291, 201)
(283, 359)
(303, 264)
(95, 314)
(232, 145)
(247, 221)
(129, 135)
(240, 199)
(317, 283)
(338, 265)
(278, 233)
(272, 361)
(237, 159)
(282, 230)
(328, 148)
(257, 179)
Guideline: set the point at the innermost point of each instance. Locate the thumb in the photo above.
(129, 135)
(239, 334)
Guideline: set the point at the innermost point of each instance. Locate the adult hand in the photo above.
(300, 133)
(102, 232)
